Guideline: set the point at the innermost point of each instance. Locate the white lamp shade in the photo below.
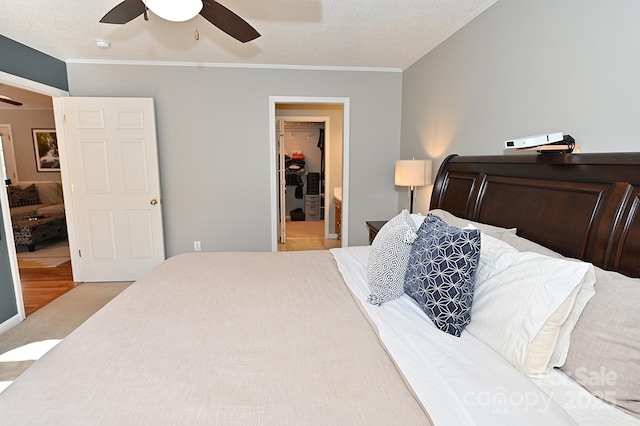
(175, 10)
(413, 172)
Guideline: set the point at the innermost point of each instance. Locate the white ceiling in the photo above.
(387, 34)
(378, 34)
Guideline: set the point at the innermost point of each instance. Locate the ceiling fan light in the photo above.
(175, 10)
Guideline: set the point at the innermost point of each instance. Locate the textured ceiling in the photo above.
(387, 34)
(380, 34)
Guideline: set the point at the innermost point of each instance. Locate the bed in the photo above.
(298, 338)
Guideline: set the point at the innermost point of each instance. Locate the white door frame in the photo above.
(32, 86)
(282, 189)
(54, 92)
(327, 157)
(273, 100)
(13, 262)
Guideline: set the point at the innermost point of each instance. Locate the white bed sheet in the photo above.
(583, 407)
(463, 381)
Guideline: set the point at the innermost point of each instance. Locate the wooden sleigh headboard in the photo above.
(585, 206)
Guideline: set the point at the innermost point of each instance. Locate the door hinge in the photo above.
(65, 118)
(79, 253)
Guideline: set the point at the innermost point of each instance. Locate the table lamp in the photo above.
(413, 173)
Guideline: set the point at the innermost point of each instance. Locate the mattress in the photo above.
(221, 338)
(281, 338)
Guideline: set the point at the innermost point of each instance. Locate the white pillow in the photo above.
(522, 300)
(494, 231)
(418, 219)
(585, 293)
(388, 258)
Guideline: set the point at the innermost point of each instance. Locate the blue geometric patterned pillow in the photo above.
(441, 273)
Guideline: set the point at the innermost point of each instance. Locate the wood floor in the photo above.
(42, 285)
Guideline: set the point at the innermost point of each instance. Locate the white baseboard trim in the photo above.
(10, 323)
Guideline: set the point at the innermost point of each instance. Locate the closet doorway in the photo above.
(308, 150)
(302, 180)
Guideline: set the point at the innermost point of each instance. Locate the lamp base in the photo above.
(411, 189)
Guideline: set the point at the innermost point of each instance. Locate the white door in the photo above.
(282, 184)
(112, 187)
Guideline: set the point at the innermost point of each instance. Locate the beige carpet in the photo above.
(30, 339)
(48, 254)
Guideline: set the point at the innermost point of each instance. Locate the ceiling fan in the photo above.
(211, 10)
(10, 101)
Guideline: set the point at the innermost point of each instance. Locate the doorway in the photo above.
(304, 223)
(10, 81)
(325, 172)
(37, 222)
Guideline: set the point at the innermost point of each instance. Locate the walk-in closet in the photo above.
(302, 173)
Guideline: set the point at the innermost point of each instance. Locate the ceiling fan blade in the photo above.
(124, 12)
(10, 101)
(228, 21)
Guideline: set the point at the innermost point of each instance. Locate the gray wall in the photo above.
(23, 61)
(22, 122)
(8, 308)
(523, 68)
(213, 136)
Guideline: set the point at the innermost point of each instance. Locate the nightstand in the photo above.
(374, 226)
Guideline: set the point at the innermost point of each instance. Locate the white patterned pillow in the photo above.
(388, 259)
(441, 273)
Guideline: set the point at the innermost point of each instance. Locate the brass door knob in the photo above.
(154, 202)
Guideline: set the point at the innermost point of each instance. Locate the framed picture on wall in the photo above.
(45, 144)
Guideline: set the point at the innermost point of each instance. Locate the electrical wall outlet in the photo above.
(197, 246)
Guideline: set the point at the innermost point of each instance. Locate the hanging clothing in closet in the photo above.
(303, 168)
(321, 148)
(294, 164)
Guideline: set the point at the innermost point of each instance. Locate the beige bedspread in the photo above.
(221, 338)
